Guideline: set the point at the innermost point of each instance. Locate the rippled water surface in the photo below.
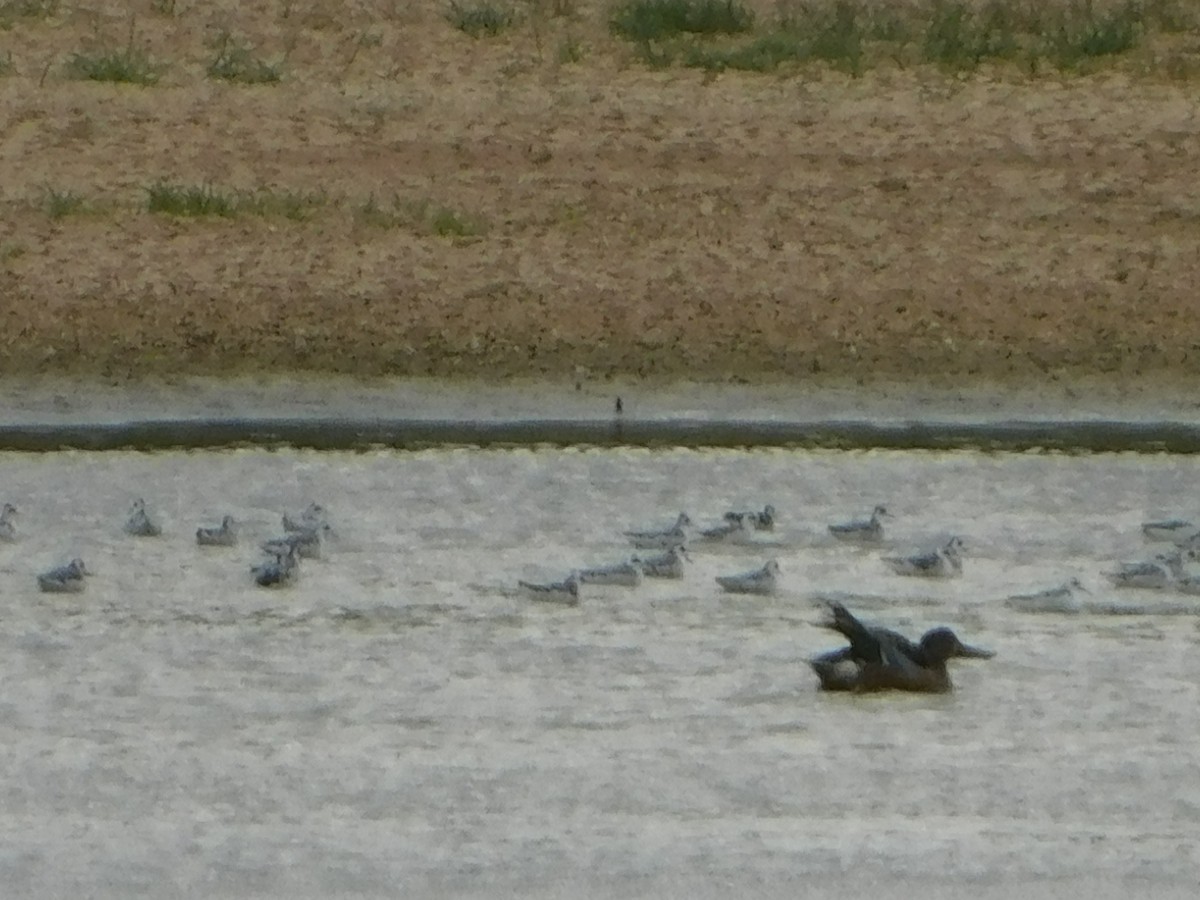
(403, 721)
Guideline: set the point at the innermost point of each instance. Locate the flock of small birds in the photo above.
(736, 526)
(303, 537)
(1168, 570)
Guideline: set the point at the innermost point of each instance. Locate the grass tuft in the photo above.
(189, 200)
(13, 10)
(128, 66)
(656, 20)
(202, 200)
(479, 17)
(1085, 33)
(235, 62)
(60, 204)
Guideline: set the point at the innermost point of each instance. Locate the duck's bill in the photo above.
(970, 652)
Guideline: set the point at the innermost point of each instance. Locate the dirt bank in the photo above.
(429, 203)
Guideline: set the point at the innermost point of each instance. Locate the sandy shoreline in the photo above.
(619, 220)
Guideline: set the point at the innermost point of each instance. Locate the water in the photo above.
(402, 721)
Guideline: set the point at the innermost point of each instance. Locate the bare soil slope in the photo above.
(428, 202)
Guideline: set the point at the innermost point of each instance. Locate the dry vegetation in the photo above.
(486, 187)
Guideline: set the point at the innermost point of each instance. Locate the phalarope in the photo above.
(661, 540)
(1059, 599)
(665, 565)
(279, 572)
(1177, 531)
(66, 579)
(879, 659)
(223, 536)
(623, 574)
(566, 592)
(307, 544)
(1154, 574)
(760, 581)
(731, 530)
(139, 522)
(312, 517)
(862, 531)
(759, 521)
(944, 562)
(8, 531)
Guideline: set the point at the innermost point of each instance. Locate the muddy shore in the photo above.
(433, 204)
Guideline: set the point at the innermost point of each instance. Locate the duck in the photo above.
(759, 581)
(661, 539)
(944, 562)
(66, 579)
(223, 536)
(862, 531)
(139, 522)
(565, 592)
(879, 659)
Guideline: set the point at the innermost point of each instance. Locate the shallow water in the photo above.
(403, 720)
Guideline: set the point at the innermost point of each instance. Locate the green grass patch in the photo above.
(853, 35)
(1085, 33)
(960, 36)
(11, 11)
(128, 66)
(7, 67)
(236, 62)
(206, 200)
(479, 18)
(60, 204)
(196, 200)
(657, 20)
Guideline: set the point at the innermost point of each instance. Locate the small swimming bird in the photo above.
(1155, 574)
(1059, 599)
(66, 579)
(862, 531)
(759, 521)
(665, 565)
(664, 539)
(733, 531)
(944, 562)
(624, 574)
(139, 522)
(313, 517)
(566, 592)
(760, 581)
(1177, 531)
(308, 543)
(8, 531)
(879, 659)
(224, 536)
(279, 572)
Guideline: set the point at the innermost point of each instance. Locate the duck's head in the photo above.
(942, 644)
